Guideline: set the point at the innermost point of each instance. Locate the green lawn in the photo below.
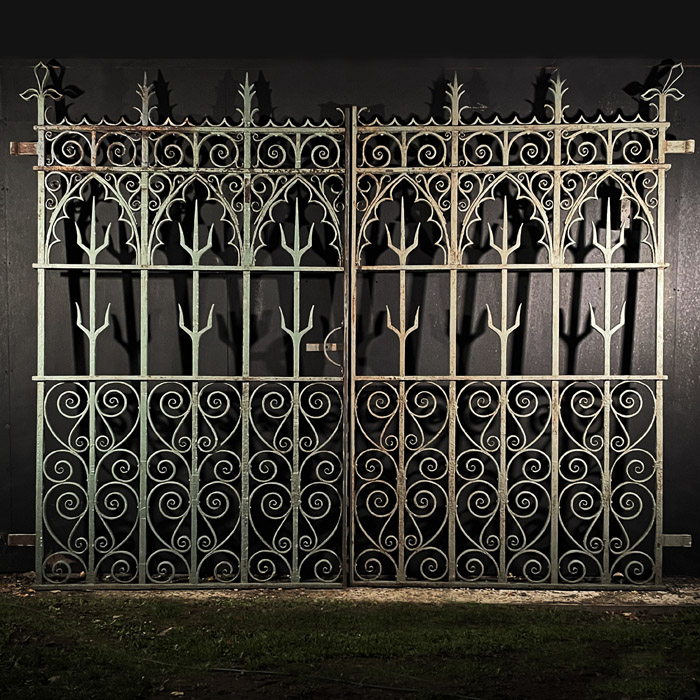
(82, 645)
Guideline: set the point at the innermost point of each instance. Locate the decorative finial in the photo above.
(557, 89)
(41, 92)
(668, 90)
(145, 91)
(454, 92)
(247, 92)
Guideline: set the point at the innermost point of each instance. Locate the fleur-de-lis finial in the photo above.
(41, 92)
(41, 73)
(668, 90)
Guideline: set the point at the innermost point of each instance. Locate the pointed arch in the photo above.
(385, 194)
(523, 192)
(178, 195)
(281, 190)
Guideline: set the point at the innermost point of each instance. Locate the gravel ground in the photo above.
(674, 592)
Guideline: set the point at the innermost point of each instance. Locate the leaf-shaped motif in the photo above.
(673, 76)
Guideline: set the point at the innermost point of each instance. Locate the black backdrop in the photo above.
(309, 75)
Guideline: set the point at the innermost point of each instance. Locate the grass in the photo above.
(81, 645)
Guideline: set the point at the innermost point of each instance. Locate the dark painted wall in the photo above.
(313, 86)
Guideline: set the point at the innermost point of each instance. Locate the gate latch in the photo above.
(320, 347)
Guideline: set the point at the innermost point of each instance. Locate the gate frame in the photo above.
(352, 129)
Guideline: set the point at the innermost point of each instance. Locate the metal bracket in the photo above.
(21, 540)
(685, 146)
(676, 541)
(22, 148)
(320, 347)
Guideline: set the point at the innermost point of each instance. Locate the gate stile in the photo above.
(512, 438)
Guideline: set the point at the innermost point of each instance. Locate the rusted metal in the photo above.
(22, 148)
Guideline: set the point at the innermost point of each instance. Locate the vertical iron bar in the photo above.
(401, 475)
(452, 400)
(606, 417)
(245, 311)
(351, 334)
(90, 574)
(503, 475)
(194, 475)
(556, 258)
(143, 360)
(296, 346)
(40, 350)
(347, 369)
(660, 257)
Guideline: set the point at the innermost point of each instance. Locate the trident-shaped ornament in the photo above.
(92, 332)
(92, 250)
(610, 332)
(402, 334)
(195, 333)
(196, 252)
(505, 250)
(503, 333)
(607, 249)
(296, 334)
(402, 251)
(296, 251)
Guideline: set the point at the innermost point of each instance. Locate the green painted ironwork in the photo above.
(191, 478)
(455, 473)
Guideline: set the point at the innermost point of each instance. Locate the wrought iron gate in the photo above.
(499, 437)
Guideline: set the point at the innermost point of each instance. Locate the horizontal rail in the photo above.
(511, 377)
(138, 129)
(227, 170)
(543, 168)
(187, 268)
(517, 266)
(176, 378)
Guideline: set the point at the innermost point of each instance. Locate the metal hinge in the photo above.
(676, 541)
(22, 148)
(685, 146)
(21, 540)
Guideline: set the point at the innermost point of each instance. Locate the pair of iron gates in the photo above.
(363, 352)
